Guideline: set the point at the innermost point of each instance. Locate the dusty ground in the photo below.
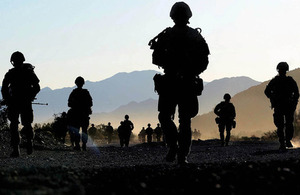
(241, 168)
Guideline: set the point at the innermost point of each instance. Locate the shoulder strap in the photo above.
(157, 36)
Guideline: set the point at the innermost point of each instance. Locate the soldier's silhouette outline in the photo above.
(225, 111)
(283, 93)
(142, 135)
(183, 54)
(19, 88)
(109, 132)
(127, 128)
(121, 134)
(80, 103)
(60, 127)
(149, 132)
(158, 132)
(92, 131)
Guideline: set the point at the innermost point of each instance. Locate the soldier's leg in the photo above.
(166, 108)
(27, 119)
(84, 137)
(221, 131)
(170, 130)
(279, 123)
(184, 138)
(187, 108)
(289, 128)
(228, 133)
(13, 115)
(127, 139)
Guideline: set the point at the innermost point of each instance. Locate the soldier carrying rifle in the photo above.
(19, 88)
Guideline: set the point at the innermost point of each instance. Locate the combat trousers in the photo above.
(177, 140)
(283, 120)
(23, 109)
(222, 126)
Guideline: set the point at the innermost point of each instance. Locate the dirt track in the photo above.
(241, 168)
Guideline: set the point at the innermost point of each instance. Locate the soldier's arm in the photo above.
(233, 111)
(35, 85)
(70, 100)
(5, 87)
(268, 90)
(296, 91)
(217, 109)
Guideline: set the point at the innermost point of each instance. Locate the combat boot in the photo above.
(282, 147)
(182, 160)
(16, 152)
(289, 144)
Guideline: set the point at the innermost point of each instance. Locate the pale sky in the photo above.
(96, 39)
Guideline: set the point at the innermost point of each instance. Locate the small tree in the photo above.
(3, 117)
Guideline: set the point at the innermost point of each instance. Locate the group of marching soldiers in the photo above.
(182, 53)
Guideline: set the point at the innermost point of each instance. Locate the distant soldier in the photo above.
(183, 54)
(60, 127)
(109, 132)
(121, 134)
(158, 132)
(92, 131)
(284, 94)
(19, 88)
(196, 134)
(142, 135)
(127, 128)
(80, 103)
(225, 120)
(149, 132)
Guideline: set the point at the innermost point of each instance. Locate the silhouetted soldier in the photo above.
(121, 133)
(92, 131)
(60, 127)
(109, 131)
(158, 132)
(149, 132)
(142, 135)
(80, 103)
(183, 54)
(196, 134)
(284, 94)
(127, 128)
(225, 120)
(19, 88)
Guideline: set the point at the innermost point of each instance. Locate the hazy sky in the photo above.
(99, 38)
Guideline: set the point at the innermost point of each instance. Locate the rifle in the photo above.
(38, 103)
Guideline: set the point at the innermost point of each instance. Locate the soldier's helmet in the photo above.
(180, 10)
(17, 57)
(126, 116)
(227, 96)
(282, 66)
(79, 81)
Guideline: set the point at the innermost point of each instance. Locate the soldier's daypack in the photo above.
(194, 52)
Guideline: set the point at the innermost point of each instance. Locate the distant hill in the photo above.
(130, 93)
(254, 115)
(142, 113)
(108, 94)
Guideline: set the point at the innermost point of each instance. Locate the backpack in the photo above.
(191, 49)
